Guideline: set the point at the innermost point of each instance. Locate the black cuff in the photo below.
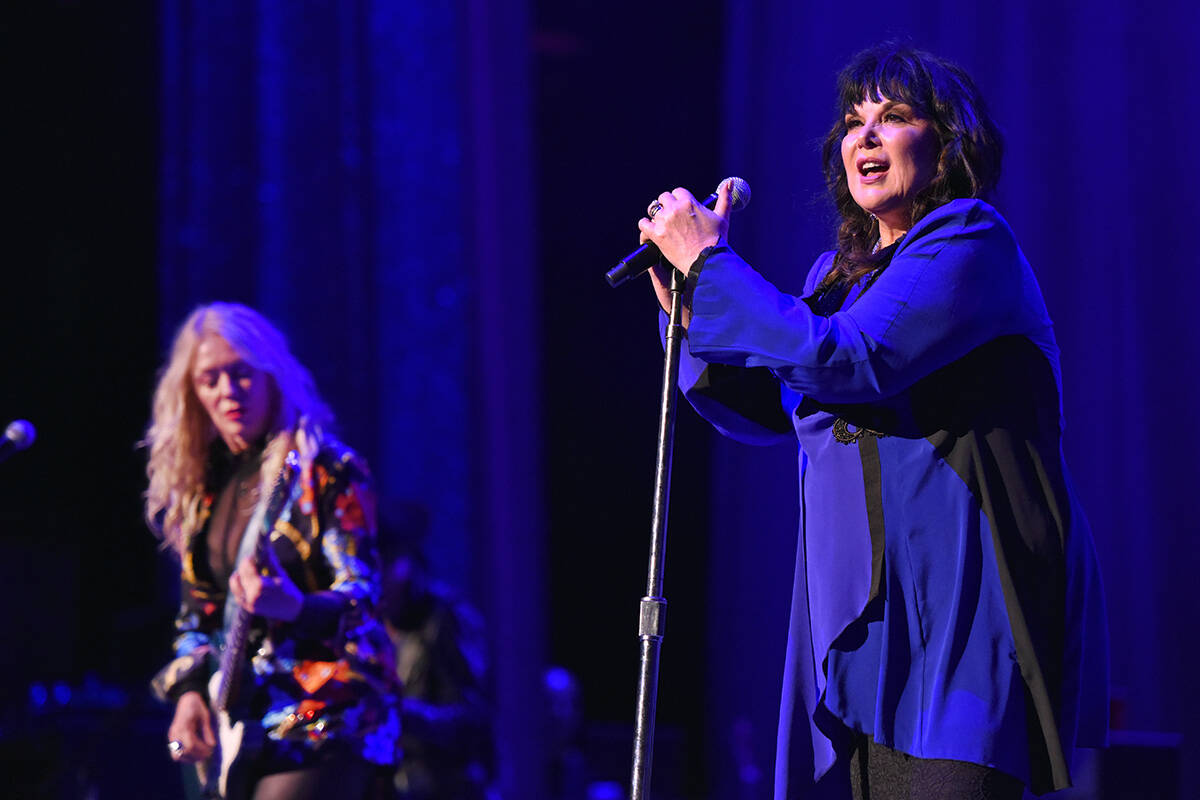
(697, 267)
(197, 683)
(320, 615)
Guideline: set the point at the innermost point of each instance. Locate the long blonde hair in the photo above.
(180, 431)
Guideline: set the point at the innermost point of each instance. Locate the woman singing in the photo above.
(231, 403)
(948, 634)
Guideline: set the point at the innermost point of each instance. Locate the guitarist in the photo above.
(315, 703)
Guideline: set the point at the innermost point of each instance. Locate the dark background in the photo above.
(425, 198)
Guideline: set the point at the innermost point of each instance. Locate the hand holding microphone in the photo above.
(677, 227)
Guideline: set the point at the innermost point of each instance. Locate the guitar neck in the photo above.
(232, 658)
(234, 654)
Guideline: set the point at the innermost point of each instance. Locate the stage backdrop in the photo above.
(359, 172)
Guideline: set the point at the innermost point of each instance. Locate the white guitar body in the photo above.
(229, 739)
(221, 775)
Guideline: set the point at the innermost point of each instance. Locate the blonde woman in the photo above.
(230, 404)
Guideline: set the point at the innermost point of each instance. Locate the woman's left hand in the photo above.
(272, 595)
(682, 227)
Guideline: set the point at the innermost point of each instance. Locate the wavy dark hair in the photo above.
(970, 146)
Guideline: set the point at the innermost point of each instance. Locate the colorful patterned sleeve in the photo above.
(344, 503)
(332, 671)
(196, 653)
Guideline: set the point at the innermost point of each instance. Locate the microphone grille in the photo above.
(739, 193)
(21, 433)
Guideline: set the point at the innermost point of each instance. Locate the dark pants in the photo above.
(282, 773)
(881, 773)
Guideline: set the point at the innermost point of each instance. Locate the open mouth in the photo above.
(868, 167)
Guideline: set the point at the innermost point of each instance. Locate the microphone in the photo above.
(18, 436)
(648, 255)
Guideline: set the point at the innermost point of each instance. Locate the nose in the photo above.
(226, 386)
(867, 137)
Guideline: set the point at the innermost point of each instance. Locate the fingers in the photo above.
(245, 584)
(235, 587)
(661, 209)
(191, 729)
(660, 277)
(683, 196)
(671, 202)
(197, 746)
(678, 201)
(206, 734)
(247, 572)
(274, 595)
(681, 227)
(724, 199)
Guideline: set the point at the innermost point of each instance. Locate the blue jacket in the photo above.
(946, 599)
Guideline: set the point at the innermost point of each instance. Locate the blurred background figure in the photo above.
(569, 771)
(441, 658)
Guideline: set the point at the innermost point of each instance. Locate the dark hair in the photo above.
(969, 142)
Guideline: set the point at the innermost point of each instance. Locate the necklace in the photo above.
(879, 242)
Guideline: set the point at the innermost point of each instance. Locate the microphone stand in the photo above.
(652, 617)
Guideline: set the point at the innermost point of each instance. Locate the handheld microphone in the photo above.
(648, 254)
(18, 436)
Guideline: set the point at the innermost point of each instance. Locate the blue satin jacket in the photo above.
(946, 598)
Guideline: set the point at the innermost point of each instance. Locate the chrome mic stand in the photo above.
(652, 618)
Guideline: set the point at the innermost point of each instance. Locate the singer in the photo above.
(231, 402)
(948, 637)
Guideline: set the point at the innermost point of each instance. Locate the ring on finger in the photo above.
(655, 207)
(175, 748)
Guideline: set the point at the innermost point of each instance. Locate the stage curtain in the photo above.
(358, 171)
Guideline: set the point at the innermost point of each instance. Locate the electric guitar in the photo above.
(222, 775)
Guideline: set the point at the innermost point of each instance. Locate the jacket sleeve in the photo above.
(957, 281)
(196, 653)
(345, 510)
(741, 403)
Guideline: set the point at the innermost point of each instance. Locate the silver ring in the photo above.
(175, 747)
(655, 207)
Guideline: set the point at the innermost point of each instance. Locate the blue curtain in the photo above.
(1095, 107)
(361, 172)
(357, 171)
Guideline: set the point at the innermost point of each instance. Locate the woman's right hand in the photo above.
(660, 277)
(192, 728)
(681, 228)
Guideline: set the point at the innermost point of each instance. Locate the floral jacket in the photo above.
(329, 675)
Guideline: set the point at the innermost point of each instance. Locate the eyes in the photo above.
(891, 117)
(239, 373)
